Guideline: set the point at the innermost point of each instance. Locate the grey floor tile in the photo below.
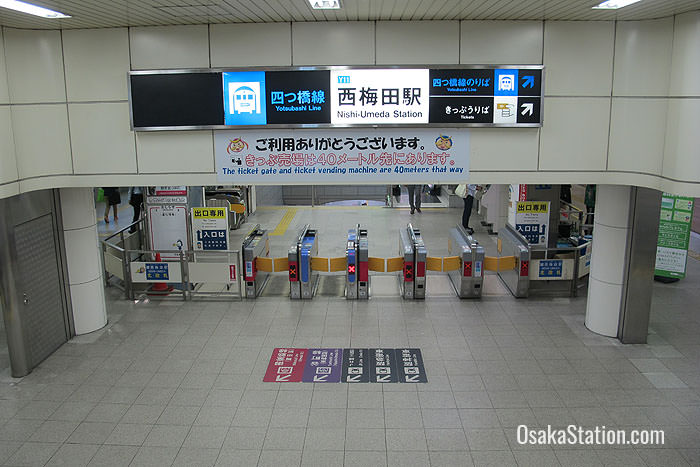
(215, 416)
(178, 415)
(245, 438)
(493, 459)
(72, 411)
(322, 458)
(472, 400)
(578, 457)
(365, 439)
(149, 456)
(143, 414)
(408, 459)
(104, 412)
(538, 458)
(486, 439)
(237, 458)
(406, 440)
(479, 418)
(284, 417)
(210, 437)
(196, 457)
(403, 418)
(92, 432)
(166, 436)
(129, 434)
(18, 429)
(365, 458)
(113, 456)
(291, 439)
(324, 439)
(441, 418)
(33, 454)
(73, 455)
(362, 418)
(619, 457)
(252, 417)
(53, 432)
(446, 440)
(280, 459)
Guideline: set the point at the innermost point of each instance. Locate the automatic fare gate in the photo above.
(302, 278)
(467, 280)
(414, 253)
(357, 274)
(255, 245)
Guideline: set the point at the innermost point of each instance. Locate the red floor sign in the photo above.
(286, 366)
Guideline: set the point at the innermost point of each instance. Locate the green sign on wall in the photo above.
(674, 236)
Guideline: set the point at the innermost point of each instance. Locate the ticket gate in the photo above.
(357, 272)
(414, 253)
(512, 243)
(469, 279)
(255, 245)
(302, 279)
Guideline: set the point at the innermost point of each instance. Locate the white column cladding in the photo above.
(606, 280)
(83, 257)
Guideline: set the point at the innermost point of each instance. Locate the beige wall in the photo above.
(622, 99)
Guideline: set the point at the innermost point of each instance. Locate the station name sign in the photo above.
(509, 96)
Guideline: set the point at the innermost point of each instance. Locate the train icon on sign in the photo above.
(244, 98)
(506, 83)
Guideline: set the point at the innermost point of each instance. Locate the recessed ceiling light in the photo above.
(614, 4)
(325, 4)
(31, 9)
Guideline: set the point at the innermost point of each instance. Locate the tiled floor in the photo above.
(173, 383)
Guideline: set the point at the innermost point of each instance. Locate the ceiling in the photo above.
(120, 13)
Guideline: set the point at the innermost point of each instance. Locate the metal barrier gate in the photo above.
(357, 272)
(414, 253)
(255, 245)
(469, 279)
(302, 278)
(511, 242)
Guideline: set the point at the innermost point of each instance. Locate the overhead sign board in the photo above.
(379, 97)
(342, 155)
(342, 96)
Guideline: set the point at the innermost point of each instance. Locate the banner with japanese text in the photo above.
(391, 156)
(676, 217)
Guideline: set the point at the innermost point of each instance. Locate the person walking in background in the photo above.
(136, 201)
(468, 204)
(414, 197)
(589, 201)
(112, 198)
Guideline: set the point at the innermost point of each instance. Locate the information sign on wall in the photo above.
(167, 225)
(532, 220)
(324, 156)
(674, 236)
(210, 228)
(335, 96)
(396, 96)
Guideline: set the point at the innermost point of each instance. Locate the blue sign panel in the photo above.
(244, 98)
(551, 267)
(505, 82)
(157, 272)
(212, 239)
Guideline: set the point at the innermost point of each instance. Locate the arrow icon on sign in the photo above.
(412, 379)
(354, 379)
(320, 378)
(384, 379)
(528, 81)
(283, 378)
(527, 108)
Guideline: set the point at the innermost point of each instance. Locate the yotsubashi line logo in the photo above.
(236, 145)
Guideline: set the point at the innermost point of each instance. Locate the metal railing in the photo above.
(214, 273)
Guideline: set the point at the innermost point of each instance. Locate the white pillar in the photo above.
(83, 257)
(606, 280)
